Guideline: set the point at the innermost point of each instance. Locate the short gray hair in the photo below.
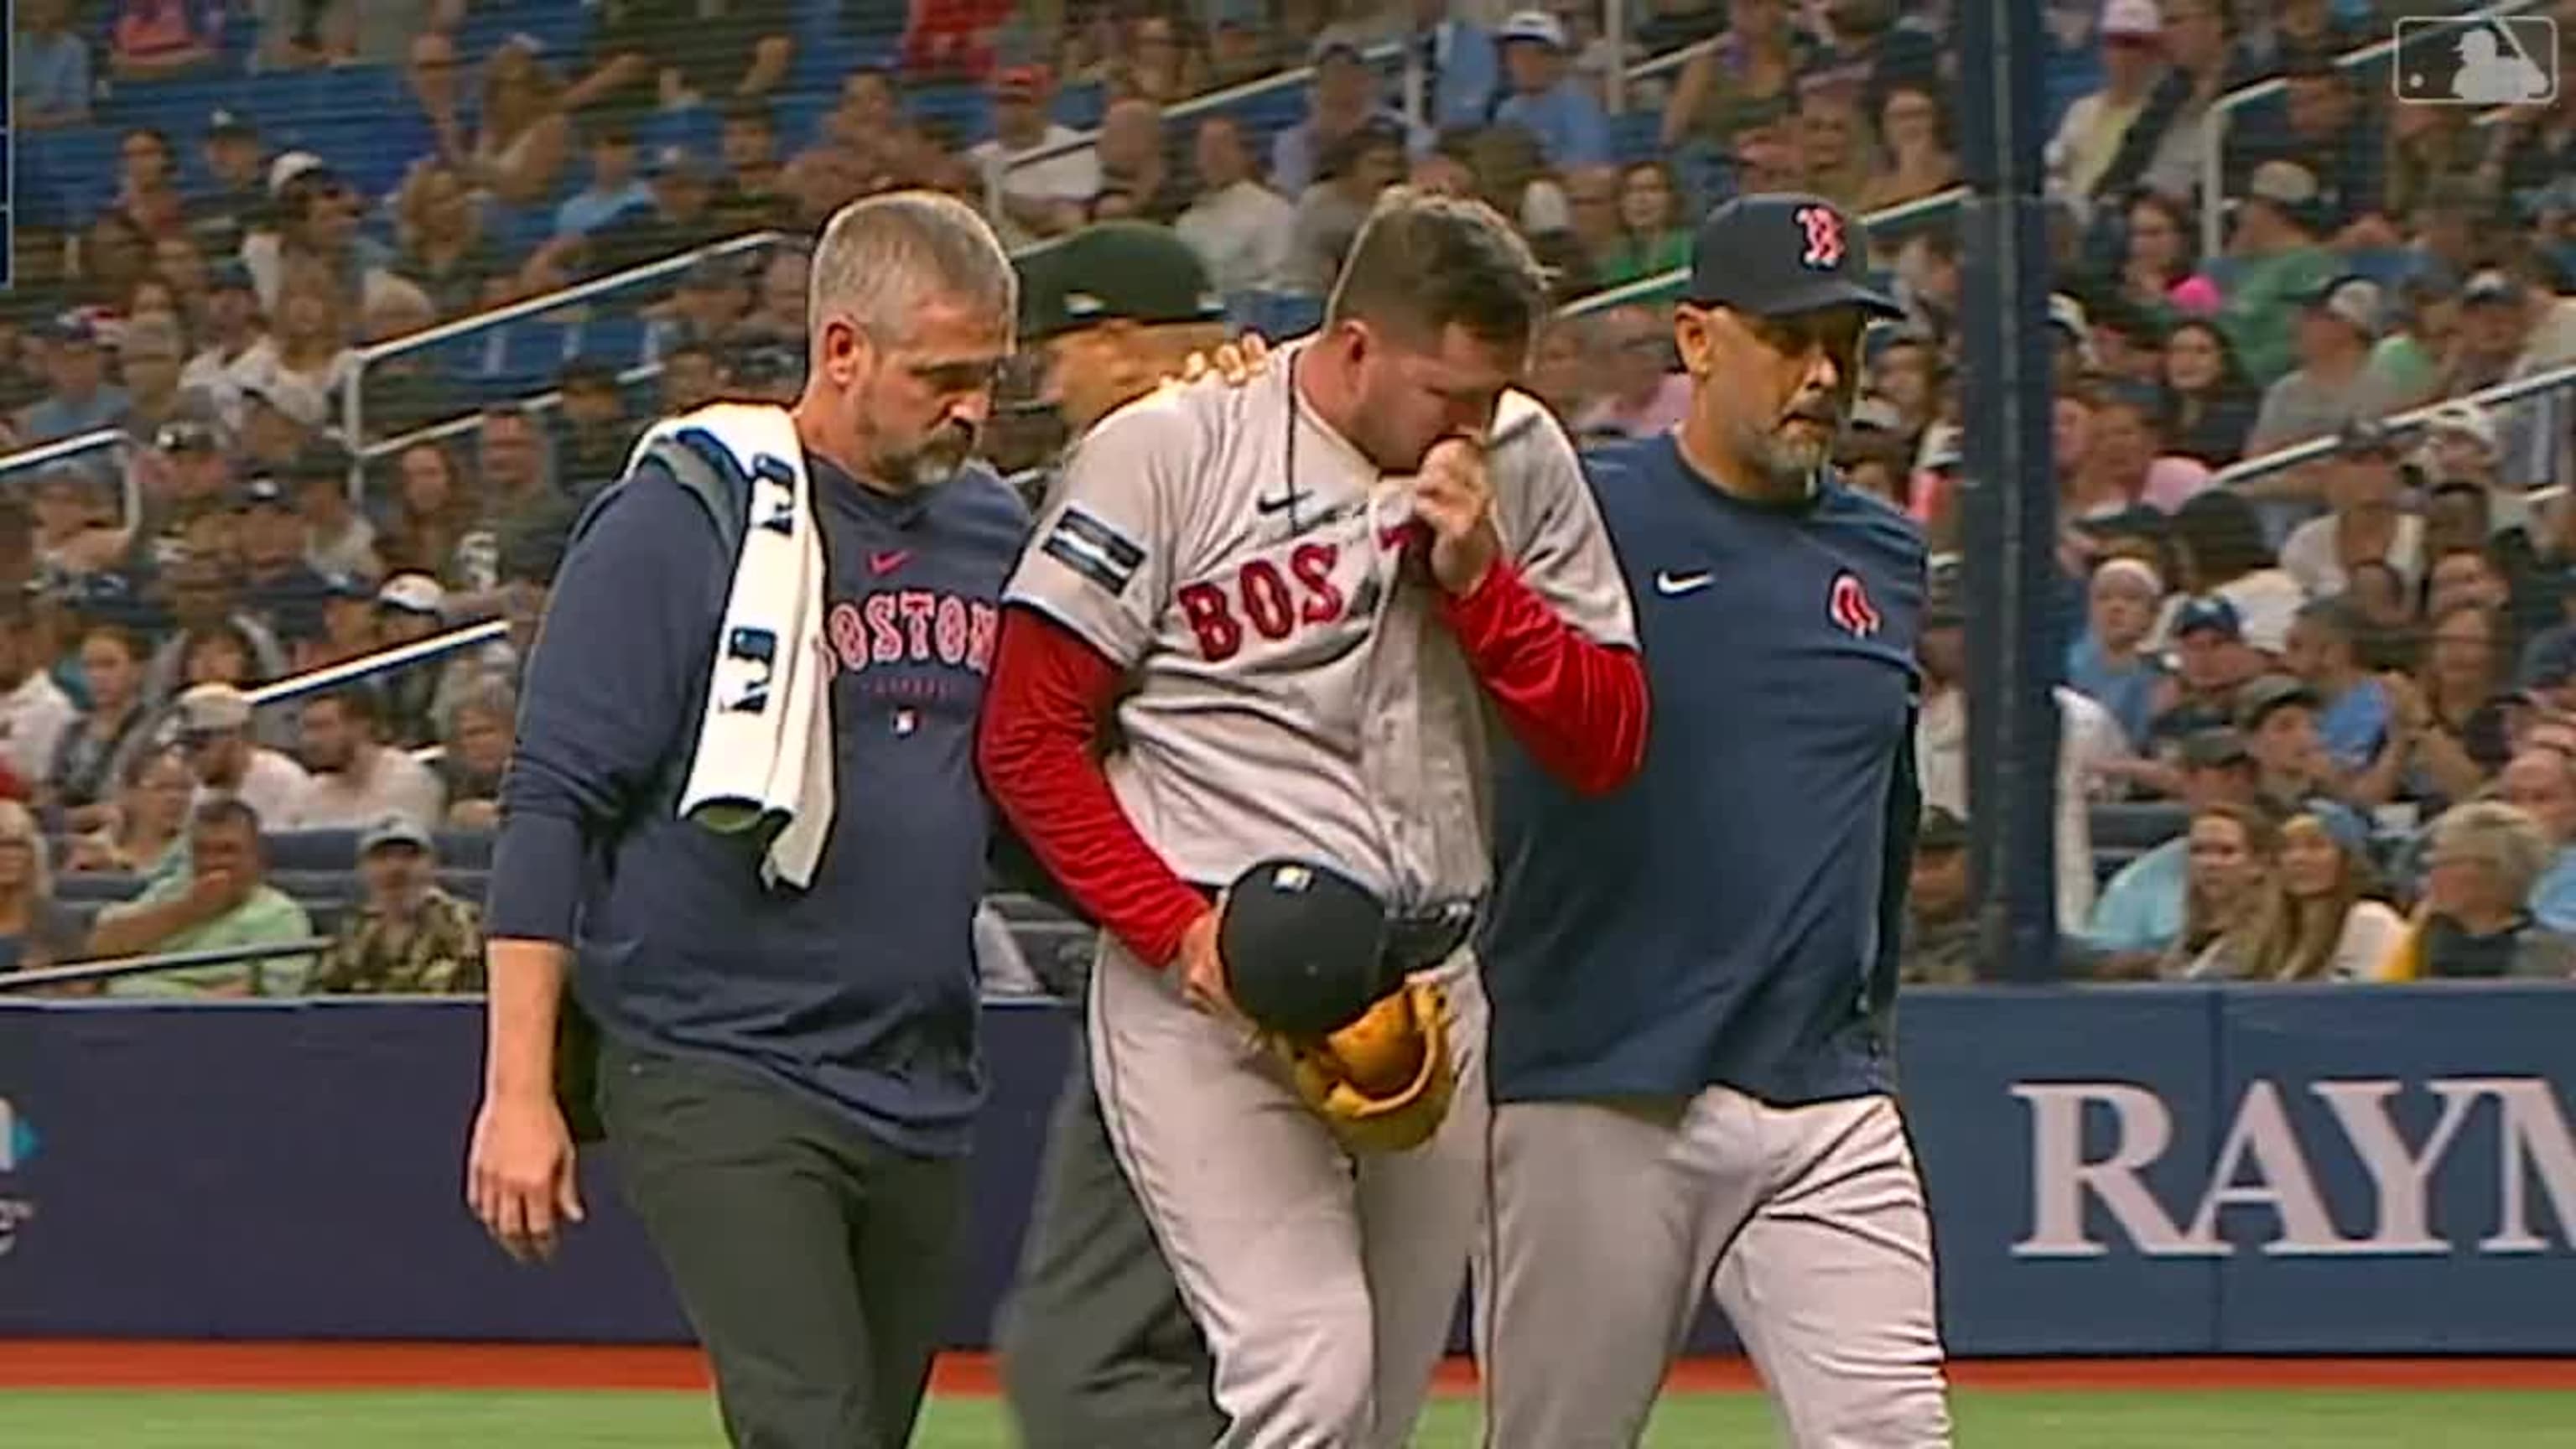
(882, 257)
(2498, 835)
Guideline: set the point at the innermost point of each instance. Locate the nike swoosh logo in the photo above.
(1274, 505)
(1672, 585)
(888, 562)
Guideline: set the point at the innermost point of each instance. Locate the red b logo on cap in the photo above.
(1824, 228)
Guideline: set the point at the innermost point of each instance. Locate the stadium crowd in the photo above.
(2319, 720)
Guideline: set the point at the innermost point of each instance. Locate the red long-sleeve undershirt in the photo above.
(1578, 707)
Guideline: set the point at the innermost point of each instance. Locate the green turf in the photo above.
(2258, 1420)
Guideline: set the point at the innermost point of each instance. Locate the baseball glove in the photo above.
(1383, 1083)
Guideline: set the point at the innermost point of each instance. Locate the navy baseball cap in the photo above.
(262, 493)
(1305, 947)
(2209, 611)
(1778, 253)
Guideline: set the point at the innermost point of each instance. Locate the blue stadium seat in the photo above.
(1082, 105)
(465, 885)
(613, 337)
(2136, 826)
(526, 358)
(97, 887)
(1636, 136)
(963, 110)
(563, 29)
(695, 129)
(465, 849)
(312, 851)
(66, 176)
(308, 886)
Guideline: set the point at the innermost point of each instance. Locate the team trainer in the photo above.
(1691, 977)
(744, 820)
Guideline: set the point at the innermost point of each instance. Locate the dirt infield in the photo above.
(148, 1364)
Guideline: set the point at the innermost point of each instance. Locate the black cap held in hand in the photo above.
(1304, 947)
(1773, 254)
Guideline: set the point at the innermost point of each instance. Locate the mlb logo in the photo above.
(2509, 60)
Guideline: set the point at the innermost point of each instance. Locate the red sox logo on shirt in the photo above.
(1847, 603)
(1824, 229)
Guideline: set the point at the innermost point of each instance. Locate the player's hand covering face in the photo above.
(1778, 388)
(1409, 400)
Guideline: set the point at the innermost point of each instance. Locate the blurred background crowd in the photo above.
(328, 315)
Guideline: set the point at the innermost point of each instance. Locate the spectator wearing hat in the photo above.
(222, 901)
(221, 213)
(411, 607)
(338, 538)
(76, 528)
(2276, 714)
(2206, 637)
(1941, 930)
(349, 626)
(2088, 740)
(2109, 662)
(1348, 96)
(2334, 384)
(2141, 909)
(78, 397)
(1043, 195)
(2522, 316)
(314, 219)
(1543, 98)
(2089, 135)
(216, 740)
(408, 936)
(2278, 264)
(593, 433)
(2368, 518)
(49, 82)
(2355, 717)
(2475, 922)
(357, 777)
(1238, 226)
(280, 587)
(232, 341)
(281, 420)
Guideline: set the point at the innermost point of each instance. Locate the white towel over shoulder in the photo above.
(764, 755)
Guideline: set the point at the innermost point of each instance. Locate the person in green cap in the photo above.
(1096, 1345)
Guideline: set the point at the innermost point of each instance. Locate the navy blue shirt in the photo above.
(860, 992)
(1728, 917)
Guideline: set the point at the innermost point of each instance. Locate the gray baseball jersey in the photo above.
(1296, 692)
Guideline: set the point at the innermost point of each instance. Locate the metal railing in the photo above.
(1647, 289)
(85, 973)
(81, 445)
(1201, 104)
(383, 661)
(2221, 116)
(353, 387)
(2245, 470)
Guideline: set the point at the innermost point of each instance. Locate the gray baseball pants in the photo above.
(1605, 1224)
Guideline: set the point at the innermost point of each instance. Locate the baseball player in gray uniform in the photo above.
(1306, 599)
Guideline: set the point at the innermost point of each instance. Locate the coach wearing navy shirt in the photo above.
(788, 1076)
(1691, 976)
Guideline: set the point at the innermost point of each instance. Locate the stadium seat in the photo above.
(312, 851)
(2136, 826)
(465, 849)
(615, 338)
(1082, 105)
(465, 885)
(98, 887)
(1636, 136)
(962, 110)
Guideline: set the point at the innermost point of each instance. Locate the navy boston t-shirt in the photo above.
(859, 992)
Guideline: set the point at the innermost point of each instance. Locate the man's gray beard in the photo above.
(1782, 459)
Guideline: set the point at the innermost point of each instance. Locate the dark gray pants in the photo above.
(1097, 1350)
(812, 1260)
